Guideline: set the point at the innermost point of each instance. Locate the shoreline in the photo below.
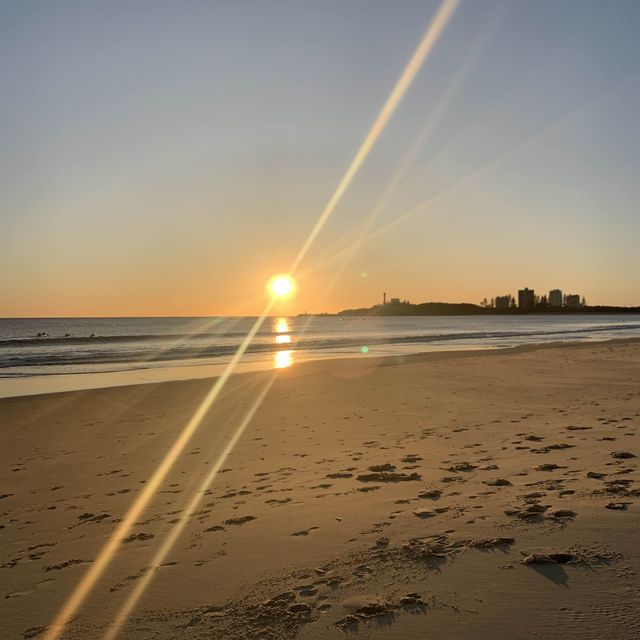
(69, 382)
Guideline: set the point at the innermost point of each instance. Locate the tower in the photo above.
(384, 298)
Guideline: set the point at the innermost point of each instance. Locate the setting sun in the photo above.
(282, 286)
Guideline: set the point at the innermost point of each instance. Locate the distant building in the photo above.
(503, 302)
(394, 301)
(573, 301)
(526, 299)
(555, 298)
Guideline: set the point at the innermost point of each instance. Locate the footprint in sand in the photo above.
(617, 506)
(461, 466)
(375, 487)
(63, 565)
(387, 476)
(304, 532)
(498, 482)
(18, 594)
(239, 520)
(92, 517)
(234, 494)
(622, 455)
(129, 579)
(430, 494)
(138, 537)
(424, 513)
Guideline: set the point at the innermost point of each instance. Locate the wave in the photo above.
(95, 339)
(150, 353)
(181, 337)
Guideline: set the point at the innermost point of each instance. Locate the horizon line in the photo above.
(305, 313)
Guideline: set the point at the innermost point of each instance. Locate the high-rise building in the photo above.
(573, 301)
(555, 298)
(526, 299)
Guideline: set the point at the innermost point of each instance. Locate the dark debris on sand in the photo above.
(573, 555)
(381, 611)
(550, 558)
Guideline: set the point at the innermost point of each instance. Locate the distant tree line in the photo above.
(486, 307)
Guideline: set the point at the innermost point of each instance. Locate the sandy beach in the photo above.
(449, 495)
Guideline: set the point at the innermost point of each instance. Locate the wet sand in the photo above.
(443, 495)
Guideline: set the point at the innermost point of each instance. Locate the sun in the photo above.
(282, 286)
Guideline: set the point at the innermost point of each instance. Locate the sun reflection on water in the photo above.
(283, 358)
(281, 325)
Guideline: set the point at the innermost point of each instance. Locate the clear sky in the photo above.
(166, 158)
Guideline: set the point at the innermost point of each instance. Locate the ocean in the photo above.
(95, 345)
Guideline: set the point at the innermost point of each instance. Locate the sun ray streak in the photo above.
(157, 560)
(431, 36)
(475, 173)
(409, 158)
(86, 584)
(480, 171)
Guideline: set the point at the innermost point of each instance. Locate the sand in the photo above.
(448, 496)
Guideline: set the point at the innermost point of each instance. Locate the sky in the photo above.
(167, 158)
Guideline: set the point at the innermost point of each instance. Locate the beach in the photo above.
(451, 495)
